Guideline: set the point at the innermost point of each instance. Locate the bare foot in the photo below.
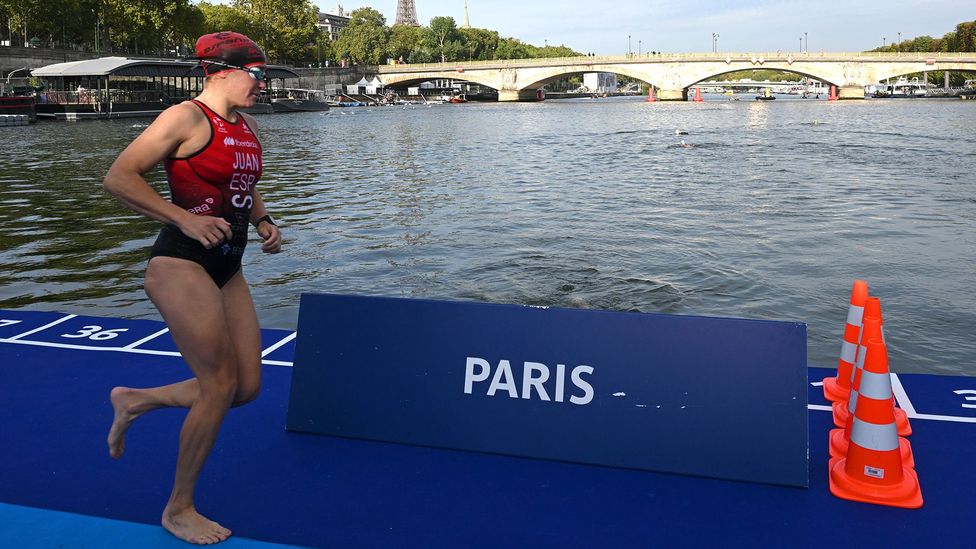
(123, 401)
(192, 527)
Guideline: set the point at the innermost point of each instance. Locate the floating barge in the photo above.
(18, 105)
(121, 87)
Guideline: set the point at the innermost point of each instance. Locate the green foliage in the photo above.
(963, 39)
(366, 38)
(221, 17)
(284, 28)
(404, 40)
(762, 76)
(478, 44)
(147, 25)
(511, 48)
(444, 39)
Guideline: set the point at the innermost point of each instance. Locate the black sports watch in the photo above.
(265, 218)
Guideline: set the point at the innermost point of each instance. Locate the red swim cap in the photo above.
(232, 48)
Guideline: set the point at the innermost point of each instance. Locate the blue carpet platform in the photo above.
(59, 488)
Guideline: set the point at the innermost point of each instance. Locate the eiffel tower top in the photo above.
(406, 13)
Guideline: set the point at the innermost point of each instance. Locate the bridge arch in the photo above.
(541, 78)
(708, 72)
(415, 79)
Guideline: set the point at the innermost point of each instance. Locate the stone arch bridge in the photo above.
(673, 74)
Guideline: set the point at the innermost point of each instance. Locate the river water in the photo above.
(770, 212)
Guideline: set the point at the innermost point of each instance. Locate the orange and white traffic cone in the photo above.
(873, 328)
(869, 329)
(838, 388)
(840, 438)
(873, 470)
(650, 94)
(698, 97)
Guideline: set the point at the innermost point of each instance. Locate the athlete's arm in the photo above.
(174, 127)
(268, 232)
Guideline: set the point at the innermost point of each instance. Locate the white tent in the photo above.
(354, 88)
(374, 86)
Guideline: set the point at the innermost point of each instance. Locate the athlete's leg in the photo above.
(245, 334)
(192, 306)
(130, 403)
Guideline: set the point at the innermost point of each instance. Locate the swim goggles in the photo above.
(257, 73)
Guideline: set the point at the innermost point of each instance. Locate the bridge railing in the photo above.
(793, 56)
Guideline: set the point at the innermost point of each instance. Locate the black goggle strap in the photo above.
(256, 72)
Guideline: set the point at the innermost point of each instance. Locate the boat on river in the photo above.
(451, 98)
(969, 90)
(766, 95)
(901, 88)
(121, 87)
(298, 100)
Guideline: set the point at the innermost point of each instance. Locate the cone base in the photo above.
(840, 412)
(906, 494)
(834, 391)
(901, 420)
(839, 444)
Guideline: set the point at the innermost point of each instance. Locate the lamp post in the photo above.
(806, 43)
(11, 73)
(801, 44)
(898, 46)
(628, 45)
(714, 42)
(638, 47)
(884, 41)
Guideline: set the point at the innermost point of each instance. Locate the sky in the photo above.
(611, 27)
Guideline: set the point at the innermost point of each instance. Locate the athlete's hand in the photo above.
(207, 230)
(271, 236)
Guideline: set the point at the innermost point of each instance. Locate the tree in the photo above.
(511, 48)
(150, 26)
(366, 38)
(22, 15)
(444, 39)
(965, 36)
(283, 28)
(551, 51)
(404, 39)
(221, 17)
(479, 44)
(323, 50)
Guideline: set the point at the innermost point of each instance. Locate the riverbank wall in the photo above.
(321, 78)
(13, 58)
